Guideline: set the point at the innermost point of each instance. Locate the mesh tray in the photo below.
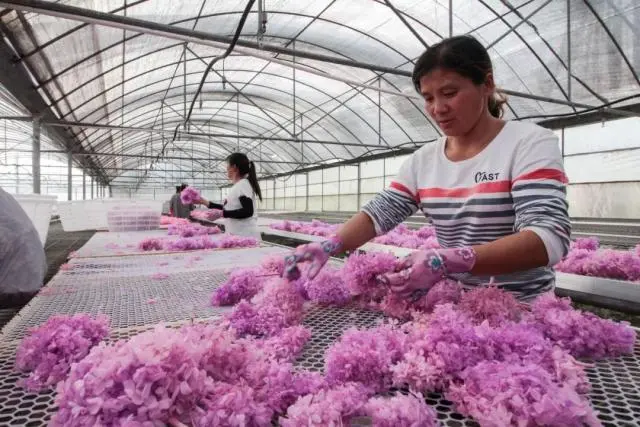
(128, 301)
(102, 267)
(615, 383)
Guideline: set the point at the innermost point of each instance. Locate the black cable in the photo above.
(579, 113)
(368, 152)
(232, 45)
(236, 36)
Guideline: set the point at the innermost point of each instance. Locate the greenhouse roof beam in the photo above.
(20, 86)
(199, 37)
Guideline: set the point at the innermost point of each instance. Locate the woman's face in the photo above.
(454, 102)
(232, 172)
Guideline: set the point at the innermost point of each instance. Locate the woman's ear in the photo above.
(490, 84)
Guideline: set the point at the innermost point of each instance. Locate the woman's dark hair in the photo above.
(464, 55)
(245, 167)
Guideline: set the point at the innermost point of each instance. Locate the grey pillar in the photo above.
(93, 181)
(35, 156)
(306, 203)
(359, 198)
(84, 185)
(110, 191)
(69, 176)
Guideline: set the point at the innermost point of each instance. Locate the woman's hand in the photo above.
(317, 253)
(214, 214)
(421, 270)
(202, 201)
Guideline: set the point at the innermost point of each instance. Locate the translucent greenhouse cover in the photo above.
(289, 110)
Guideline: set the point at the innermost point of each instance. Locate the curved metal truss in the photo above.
(308, 82)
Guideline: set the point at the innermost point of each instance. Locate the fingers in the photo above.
(291, 271)
(394, 280)
(314, 269)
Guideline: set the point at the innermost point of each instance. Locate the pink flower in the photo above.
(503, 393)
(49, 350)
(189, 195)
(365, 356)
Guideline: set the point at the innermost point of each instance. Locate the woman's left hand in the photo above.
(421, 270)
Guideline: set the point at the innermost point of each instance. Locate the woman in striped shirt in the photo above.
(494, 189)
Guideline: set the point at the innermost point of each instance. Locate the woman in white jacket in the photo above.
(239, 208)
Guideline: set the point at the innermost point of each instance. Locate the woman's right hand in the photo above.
(317, 253)
(202, 201)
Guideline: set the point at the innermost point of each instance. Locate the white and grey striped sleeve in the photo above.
(396, 203)
(539, 194)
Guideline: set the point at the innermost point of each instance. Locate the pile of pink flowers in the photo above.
(205, 214)
(167, 220)
(451, 337)
(189, 195)
(585, 256)
(199, 375)
(498, 361)
(190, 230)
(49, 350)
(196, 243)
(401, 236)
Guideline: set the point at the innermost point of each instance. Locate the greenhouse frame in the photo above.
(105, 88)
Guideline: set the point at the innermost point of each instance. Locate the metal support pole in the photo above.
(359, 192)
(184, 86)
(322, 191)
(35, 156)
(306, 203)
(17, 180)
(338, 188)
(450, 18)
(92, 182)
(568, 52)
(69, 176)
(84, 185)
(379, 115)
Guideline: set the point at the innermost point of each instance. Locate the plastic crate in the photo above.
(38, 208)
(80, 215)
(140, 216)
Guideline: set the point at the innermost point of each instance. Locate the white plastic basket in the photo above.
(134, 217)
(38, 208)
(92, 214)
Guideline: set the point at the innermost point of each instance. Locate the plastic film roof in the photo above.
(287, 110)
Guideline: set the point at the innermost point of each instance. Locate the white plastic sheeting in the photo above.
(106, 75)
(605, 200)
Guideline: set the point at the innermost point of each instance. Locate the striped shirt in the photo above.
(516, 183)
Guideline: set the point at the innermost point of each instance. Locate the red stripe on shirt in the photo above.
(555, 174)
(485, 187)
(400, 187)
